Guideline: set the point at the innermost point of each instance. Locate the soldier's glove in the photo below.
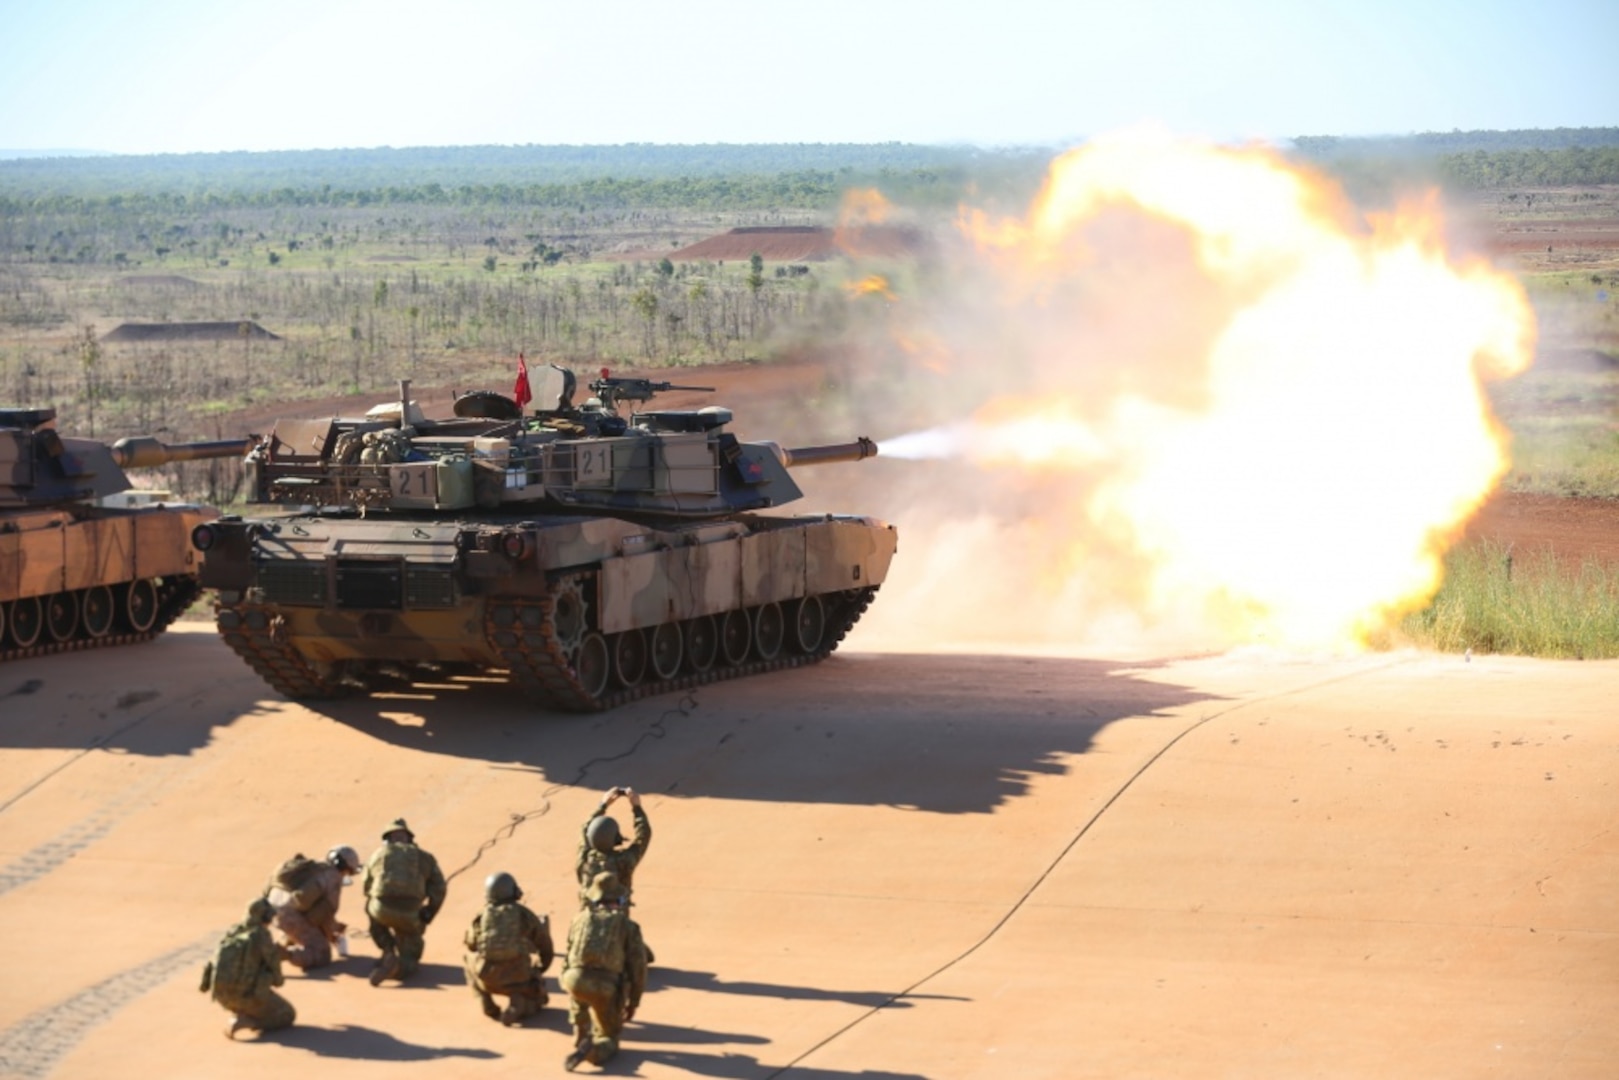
(428, 915)
(207, 977)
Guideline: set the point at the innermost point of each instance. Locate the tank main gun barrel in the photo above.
(143, 451)
(858, 450)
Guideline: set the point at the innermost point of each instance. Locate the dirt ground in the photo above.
(887, 866)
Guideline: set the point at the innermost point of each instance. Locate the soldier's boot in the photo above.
(238, 1024)
(581, 1051)
(387, 966)
(490, 1008)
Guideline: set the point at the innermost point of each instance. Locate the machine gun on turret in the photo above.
(610, 390)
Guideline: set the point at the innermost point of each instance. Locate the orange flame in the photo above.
(870, 285)
(1251, 413)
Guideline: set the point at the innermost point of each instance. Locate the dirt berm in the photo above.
(887, 866)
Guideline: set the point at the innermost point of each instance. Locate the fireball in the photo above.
(1231, 405)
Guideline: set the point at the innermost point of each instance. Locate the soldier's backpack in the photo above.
(503, 937)
(236, 966)
(604, 942)
(402, 876)
(298, 877)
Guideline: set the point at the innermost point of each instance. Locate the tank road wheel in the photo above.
(736, 636)
(666, 650)
(809, 624)
(61, 615)
(568, 614)
(27, 619)
(592, 665)
(97, 608)
(139, 607)
(769, 630)
(702, 643)
(629, 657)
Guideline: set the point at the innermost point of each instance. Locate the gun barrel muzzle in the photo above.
(858, 450)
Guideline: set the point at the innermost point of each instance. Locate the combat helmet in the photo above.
(345, 859)
(501, 888)
(260, 912)
(605, 888)
(602, 834)
(398, 825)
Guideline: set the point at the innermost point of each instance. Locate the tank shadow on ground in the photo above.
(674, 978)
(864, 729)
(121, 699)
(367, 1044)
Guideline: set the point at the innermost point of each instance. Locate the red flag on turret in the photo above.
(521, 392)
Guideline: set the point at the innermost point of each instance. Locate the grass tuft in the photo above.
(1495, 600)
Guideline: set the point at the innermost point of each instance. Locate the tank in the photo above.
(81, 563)
(592, 556)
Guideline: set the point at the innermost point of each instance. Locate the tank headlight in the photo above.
(204, 537)
(515, 545)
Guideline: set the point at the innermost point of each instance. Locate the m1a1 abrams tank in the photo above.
(75, 571)
(593, 556)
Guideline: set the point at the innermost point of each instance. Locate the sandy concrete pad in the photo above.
(887, 865)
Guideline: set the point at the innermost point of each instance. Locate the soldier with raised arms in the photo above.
(602, 848)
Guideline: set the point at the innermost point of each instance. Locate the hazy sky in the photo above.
(138, 76)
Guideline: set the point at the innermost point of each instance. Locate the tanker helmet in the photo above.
(502, 888)
(603, 834)
(345, 859)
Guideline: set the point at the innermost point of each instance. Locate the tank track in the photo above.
(522, 631)
(174, 595)
(524, 634)
(254, 632)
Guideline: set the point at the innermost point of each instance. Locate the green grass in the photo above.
(1497, 601)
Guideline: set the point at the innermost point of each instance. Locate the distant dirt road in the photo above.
(885, 866)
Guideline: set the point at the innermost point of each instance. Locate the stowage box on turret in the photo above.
(594, 557)
(77, 570)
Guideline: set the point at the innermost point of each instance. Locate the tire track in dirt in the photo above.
(46, 857)
(33, 1046)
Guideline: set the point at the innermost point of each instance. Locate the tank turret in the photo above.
(602, 555)
(74, 571)
(647, 465)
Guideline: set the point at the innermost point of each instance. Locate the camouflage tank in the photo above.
(593, 557)
(77, 569)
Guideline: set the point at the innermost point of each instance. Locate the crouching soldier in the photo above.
(404, 889)
(605, 973)
(246, 965)
(501, 943)
(305, 894)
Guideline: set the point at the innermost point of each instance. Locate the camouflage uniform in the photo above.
(307, 916)
(500, 943)
(246, 965)
(620, 862)
(603, 990)
(404, 889)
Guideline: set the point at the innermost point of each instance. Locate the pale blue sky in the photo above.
(203, 75)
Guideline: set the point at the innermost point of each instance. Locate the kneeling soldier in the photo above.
(246, 964)
(501, 942)
(605, 973)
